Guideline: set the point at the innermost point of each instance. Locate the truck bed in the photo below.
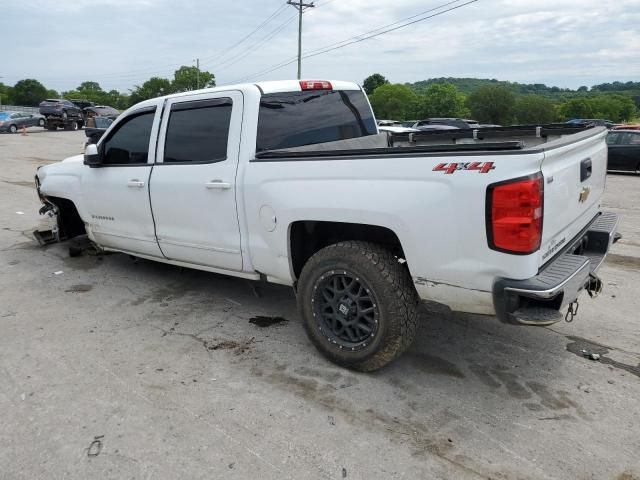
(527, 138)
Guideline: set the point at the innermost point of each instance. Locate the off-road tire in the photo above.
(391, 287)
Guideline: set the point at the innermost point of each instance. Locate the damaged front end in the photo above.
(62, 220)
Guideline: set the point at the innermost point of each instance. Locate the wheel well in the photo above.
(307, 237)
(69, 221)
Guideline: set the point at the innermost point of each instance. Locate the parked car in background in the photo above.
(624, 151)
(596, 122)
(388, 123)
(14, 121)
(627, 127)
(82, 104)
(95, 128)
(101, 111)
(397, 129)
(449, 122)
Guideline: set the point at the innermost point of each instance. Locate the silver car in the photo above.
(14, 121)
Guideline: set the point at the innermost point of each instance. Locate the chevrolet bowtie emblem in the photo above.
(584, 194)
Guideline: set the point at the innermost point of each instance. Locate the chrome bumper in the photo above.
(538, 300)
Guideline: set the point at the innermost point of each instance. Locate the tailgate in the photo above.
(574, 170)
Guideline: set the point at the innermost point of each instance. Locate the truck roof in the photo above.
(275, 86)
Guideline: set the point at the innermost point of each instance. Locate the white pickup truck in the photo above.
(291, 182)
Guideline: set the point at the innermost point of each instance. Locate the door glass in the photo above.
(198, 131)
(612, 138)
(129, 143)
(631, 139)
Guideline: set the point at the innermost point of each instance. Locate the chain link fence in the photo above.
(16, 108)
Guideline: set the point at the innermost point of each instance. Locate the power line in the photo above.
(251, 48)
(255, 30)
(114, 76)
(362, 37)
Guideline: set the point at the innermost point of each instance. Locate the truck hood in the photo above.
(65, 167)
(74, 159)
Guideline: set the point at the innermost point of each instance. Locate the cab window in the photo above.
(128, 144)
(198, 131)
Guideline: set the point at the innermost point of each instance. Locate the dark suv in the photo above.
(62, 109)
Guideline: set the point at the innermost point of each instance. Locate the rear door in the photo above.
(574, 181)
(193, 184)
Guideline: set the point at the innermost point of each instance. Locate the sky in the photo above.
(122, 43)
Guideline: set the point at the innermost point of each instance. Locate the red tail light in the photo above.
(514, 215)
(315, 85)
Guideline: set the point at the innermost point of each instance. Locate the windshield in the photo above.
(294, 119)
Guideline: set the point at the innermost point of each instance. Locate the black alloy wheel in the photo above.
(345, 309)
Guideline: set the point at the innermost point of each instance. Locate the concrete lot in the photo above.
(166, 368)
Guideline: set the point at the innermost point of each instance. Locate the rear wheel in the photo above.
(41, 122)
(358, 304)
(13, 128)
(71, 126)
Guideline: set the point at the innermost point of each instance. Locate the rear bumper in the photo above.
(538, 300)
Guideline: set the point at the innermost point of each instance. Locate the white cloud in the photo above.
(123, 42)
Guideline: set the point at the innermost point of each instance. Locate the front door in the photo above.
(116, 193)
(192, 187)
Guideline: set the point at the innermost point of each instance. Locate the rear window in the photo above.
(294, 119)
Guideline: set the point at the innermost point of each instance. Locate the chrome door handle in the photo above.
(135, 184)
(220, 185)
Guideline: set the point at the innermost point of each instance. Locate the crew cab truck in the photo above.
(290, 182)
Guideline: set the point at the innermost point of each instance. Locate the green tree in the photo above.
(614, 107)
(188, 78)
(492, 104)
(372, 82)
(442, 100)
(394, 101)
(29, 93)
(531, 109)
(576, 108)
(6, 94)
(154, 87)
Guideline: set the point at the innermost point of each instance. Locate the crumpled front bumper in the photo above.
(538, 300)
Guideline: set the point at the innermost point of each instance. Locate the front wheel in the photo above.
(41, 122)
(358, 304)
(13, 129)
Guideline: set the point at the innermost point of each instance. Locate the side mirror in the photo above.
(92, 156)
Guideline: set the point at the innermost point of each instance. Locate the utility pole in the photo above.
(300, 6)
(198, 72)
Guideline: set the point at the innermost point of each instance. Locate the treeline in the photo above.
(495, 102)
(30, 92)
